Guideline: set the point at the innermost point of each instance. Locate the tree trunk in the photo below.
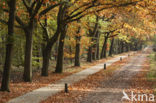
(122, 46)
(9, 47)
(105, 48)
(47, 53)
(38, 57)
(127, 47)
(71, 58)
(89, 58)
(119, 46)
(2, 51)
(77, 51)
(94, 47)
(94, 51)
(97, 46)
(56, 50)
(103, 52)
(27, 76)
(49, 45)
(46, 56)
(92, 34)
(60, 57)
(111, 48)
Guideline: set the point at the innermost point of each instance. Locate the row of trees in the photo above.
(67, 28)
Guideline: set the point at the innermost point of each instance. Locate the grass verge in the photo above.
(152, 73)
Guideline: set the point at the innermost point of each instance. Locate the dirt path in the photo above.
(111, 89)
(38, 95)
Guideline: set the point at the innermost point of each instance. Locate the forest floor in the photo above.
(19, 87)
(107, 86)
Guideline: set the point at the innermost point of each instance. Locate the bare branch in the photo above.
(6, 23)
(113, 36)
(26, 5)
(38, 6)
(120, 5)
(48, 9)
(32, 5)
(20, 22)
(86, 4)
(81, 14)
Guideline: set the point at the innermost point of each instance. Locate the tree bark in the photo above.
(97, 46)
(50, 42)
(46, 56)
(105, 48)
(122, 46)
(47, 53)
(27, 76)
(119, 46)
(111, 47)
(89, 58)
(103, 52)
(94, 53)
(77, 51)
(9, 47)
(38, 56)
(127, 47)
(92, 34)
(94, 48)
(56, 50)
(60, 57)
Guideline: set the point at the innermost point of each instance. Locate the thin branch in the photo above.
(80, 14)
(38, 6)
(32, 5)
(108, 32)
(6, 23)
(43, 12)
(75, 19)
(120, 5)
(20, 22)
(26, 5)
(113, 36)
(86, 4)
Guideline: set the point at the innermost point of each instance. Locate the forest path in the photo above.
(111, 90)
(38, 95)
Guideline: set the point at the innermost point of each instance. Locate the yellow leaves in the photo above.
(68, 55)
(71, 42)
(72, 1)
(85, 24)
(73, 29)
(142, 4)
(127, 26)
(85, 42)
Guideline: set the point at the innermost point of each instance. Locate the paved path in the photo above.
(111, 90)
(43, 93)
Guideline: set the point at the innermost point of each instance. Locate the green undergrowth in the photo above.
(152, 73)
